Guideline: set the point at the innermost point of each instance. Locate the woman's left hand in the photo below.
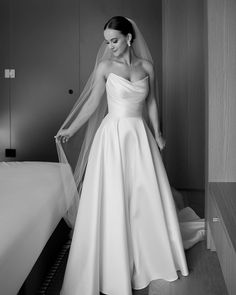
(63, 135)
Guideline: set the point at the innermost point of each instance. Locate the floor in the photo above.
(205, 276)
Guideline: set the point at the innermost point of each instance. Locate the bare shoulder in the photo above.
(104, 67)
(148, 67)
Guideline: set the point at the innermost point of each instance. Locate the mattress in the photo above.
(34, 196)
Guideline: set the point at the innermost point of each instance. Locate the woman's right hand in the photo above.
(63, 135)
(160, 142)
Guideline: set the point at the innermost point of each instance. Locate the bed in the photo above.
(33, 199)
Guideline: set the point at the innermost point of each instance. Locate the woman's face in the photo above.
(116, 41)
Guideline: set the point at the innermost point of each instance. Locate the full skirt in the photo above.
(127, 231)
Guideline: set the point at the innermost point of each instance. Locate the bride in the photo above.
(126, 231)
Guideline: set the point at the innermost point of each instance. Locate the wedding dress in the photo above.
(127, 230)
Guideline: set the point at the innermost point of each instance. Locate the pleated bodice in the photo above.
(125, 98)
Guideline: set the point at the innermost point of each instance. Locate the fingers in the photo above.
(62, 138)
(65, 139)
(161, 143)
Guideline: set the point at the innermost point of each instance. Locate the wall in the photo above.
(221, 145)
(52, 46)
(43, 46)
(184, 92)
(4, 84)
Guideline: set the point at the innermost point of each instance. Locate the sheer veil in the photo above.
(70, 152)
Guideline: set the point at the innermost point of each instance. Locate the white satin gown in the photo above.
(127, 231)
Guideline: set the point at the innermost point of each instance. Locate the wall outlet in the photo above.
(10, 153)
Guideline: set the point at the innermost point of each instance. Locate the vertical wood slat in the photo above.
(222, 89)
(183, 92)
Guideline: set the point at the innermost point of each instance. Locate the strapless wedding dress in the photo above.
(127, 230)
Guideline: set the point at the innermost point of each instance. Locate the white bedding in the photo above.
(32, 202)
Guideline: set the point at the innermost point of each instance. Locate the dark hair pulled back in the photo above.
(121, 24)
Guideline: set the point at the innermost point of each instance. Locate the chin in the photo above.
(115, 53)
(118, 54)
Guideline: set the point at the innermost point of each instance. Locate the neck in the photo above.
(128, 57)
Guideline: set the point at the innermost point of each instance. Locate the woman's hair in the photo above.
(121, 24)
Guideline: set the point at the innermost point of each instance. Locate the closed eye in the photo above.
(114, 41)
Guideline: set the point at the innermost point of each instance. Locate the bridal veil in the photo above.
(73, 152)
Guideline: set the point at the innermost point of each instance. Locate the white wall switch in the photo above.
(12, 73)
(7, 73)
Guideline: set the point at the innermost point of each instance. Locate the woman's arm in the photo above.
(152, 107)
(93, 101)
(89, 107)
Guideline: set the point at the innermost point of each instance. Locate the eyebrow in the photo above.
(111, 39)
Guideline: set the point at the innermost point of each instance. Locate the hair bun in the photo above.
(122, 24)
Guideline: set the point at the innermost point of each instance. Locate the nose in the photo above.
(111, 46)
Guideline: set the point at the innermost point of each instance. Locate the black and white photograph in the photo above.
(117, 147)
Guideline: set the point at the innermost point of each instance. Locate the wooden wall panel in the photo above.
(184, 92)
(222, 90)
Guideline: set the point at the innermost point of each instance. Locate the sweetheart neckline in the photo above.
(131, 82)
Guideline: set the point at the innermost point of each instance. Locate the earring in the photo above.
(128, 42)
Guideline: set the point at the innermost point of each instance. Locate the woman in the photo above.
(126, 232)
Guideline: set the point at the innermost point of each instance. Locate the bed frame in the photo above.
(47, 258)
